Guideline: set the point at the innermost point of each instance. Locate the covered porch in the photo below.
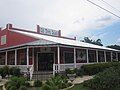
(54, 58)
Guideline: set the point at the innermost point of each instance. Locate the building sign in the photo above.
(49, 31)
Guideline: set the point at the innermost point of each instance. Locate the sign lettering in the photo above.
(49, 31)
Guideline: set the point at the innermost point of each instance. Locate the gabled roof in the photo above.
(64, 41)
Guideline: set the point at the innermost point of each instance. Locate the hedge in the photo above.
(93, 69)
(109, 79)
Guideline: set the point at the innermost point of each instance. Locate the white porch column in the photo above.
(15, 57)
(75, 57)
(116, 56)
(111, 56)
(6, 58)
(97, 55)
(27, 57)
(33, 62)
(87, 56)
(105, 56)
(58, 49)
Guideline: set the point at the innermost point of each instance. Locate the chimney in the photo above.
(9, 26)
(59, 33)
(0, 28)
(38, 29)
(74, 38)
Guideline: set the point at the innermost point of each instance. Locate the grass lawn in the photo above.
(79, 87)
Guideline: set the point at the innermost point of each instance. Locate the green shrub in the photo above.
(5, 71)
(15, 81)
(109, 79)
(68, 71)
(9, 84)
(13, 88)
(46, 87)
(16, 71)
(23, 88)
(37, 83)
(1, 71)
(8, 87)
(27, 84)
(58, 82)
(93, 69)
(11, 70)
(19, 81)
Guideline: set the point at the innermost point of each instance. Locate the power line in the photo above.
(110, 5)
(103, 8)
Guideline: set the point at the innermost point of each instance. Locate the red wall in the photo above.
(14, 38)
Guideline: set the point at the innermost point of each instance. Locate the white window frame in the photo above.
(3, 39)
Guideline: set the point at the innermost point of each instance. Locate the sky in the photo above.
(77, 18)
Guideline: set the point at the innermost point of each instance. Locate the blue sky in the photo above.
(109, 35)
(112, 34)
(73, 17)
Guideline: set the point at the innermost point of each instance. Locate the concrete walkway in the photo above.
(81, 79)
(3, 81)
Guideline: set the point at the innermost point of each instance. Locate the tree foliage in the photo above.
(96, 42)
(114, 47)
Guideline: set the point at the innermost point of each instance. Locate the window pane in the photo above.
(69, 57)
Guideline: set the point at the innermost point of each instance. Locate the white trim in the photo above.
(15, 56)
(87, 55)
(33, 58)
(105, 56)
(75, 57)
(97, 55)
(6, 58)
(27, 57)
(58, 49)
(116, 56)
(111, 56)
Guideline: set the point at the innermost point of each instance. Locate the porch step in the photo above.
(42, 75)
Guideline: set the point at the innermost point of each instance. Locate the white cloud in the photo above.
(70, 16)
(118, 40)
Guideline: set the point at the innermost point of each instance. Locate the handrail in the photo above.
(31, 72)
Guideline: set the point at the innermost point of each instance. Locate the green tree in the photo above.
(114, 47)
(96, 42)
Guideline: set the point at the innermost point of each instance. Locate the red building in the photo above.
(47, 50)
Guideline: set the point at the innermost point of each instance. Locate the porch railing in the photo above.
(31, 72)
(64, 66)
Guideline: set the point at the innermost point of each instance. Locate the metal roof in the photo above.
(64, 41)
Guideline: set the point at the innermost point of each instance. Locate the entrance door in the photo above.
(45, 61)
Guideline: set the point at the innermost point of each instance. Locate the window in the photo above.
(2, 59)
(108, 56)
(81, 55)
(101, 57)
(68, 57)
(92, 56)
(114, 55)
(3, 39)
(11, 59)
(23, 60)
